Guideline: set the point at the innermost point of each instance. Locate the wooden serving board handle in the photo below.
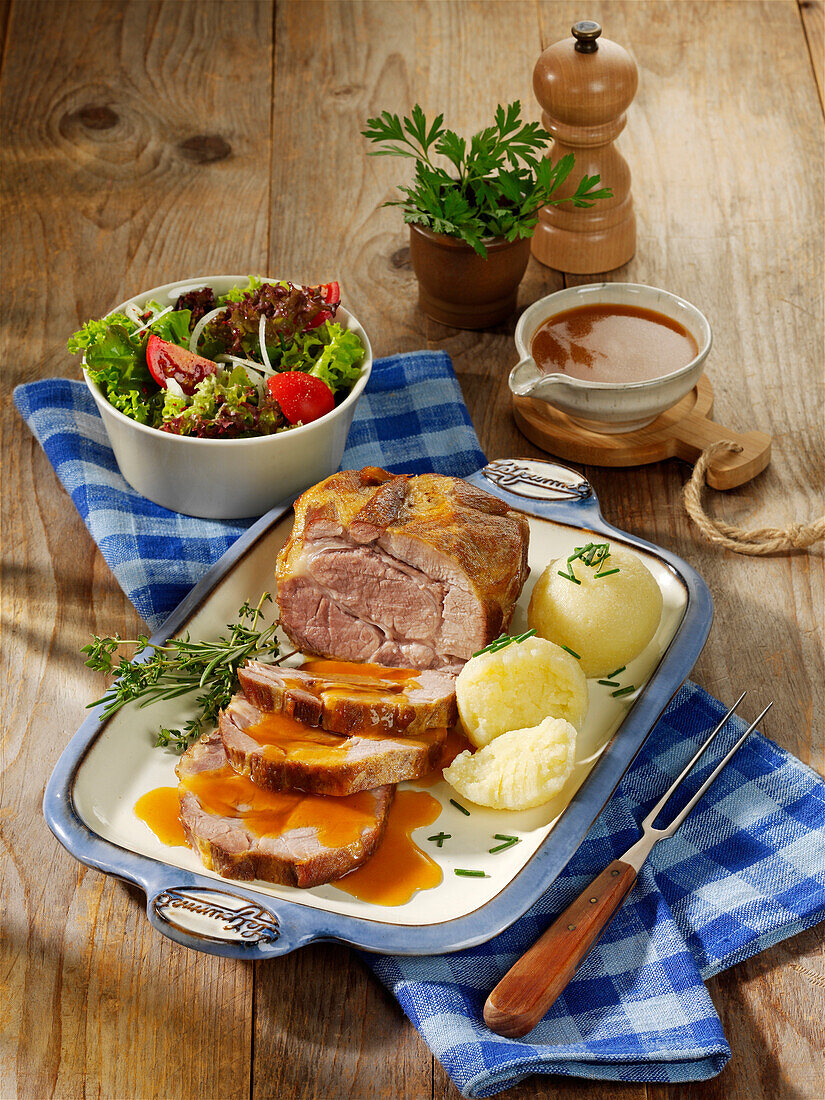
(696, 432)
(531, 985)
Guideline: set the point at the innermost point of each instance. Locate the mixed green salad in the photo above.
(258, 360)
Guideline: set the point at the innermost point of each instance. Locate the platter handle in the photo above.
(225, 920)
(541, 488)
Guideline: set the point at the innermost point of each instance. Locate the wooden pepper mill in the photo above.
(585, 86)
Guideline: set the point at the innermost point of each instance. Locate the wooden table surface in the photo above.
(143, 142)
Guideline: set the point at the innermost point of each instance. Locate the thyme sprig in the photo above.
(181, 666)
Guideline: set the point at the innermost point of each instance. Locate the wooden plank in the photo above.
(751, 259)
(813, 20)
(114, 179)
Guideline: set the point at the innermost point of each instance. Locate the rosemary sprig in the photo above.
(180, 667)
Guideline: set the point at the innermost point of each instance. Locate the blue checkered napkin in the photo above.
(411, 419)
(746, 870)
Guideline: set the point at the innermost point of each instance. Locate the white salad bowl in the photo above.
(609, 407)
(228, 478)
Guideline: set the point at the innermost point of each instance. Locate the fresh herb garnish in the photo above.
(509, 841)
(609, 573)
(623, 691)
(503, 640)
(469, 874)
(495, 183)
(612, 675)
(458, 806)
(181, 666)
(571, 576)
(610, 683)
(572, 652)
(439, 838)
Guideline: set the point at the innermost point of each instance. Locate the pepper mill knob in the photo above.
(586, 32)
(585, 84)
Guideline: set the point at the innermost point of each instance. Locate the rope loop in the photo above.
(757, 542)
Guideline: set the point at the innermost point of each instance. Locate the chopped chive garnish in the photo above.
(610, 683)
(509, 841)
(504, 640)
(469, 874)
(623, 691)
(612, 675)
(458, 806)
(439, 838)
(572, 652)
(608, 573)
(568, 576)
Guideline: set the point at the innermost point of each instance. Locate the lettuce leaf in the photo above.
(330, 352)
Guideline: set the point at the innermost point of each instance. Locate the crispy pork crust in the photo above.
(440, 527)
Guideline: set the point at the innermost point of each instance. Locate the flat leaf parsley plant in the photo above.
(495, 183)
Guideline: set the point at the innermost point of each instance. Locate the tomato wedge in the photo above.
(332, 294)
(302, 397)
(166, 360)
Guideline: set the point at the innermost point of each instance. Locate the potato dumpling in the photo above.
(607, 620)
(520, 769)
(517, 687)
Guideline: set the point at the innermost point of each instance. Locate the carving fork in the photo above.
(532, 984)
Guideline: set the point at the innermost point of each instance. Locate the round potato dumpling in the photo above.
(520, 769)
(608, 620)
(517, 687)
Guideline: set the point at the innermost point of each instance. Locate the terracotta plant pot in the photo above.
(458, 287)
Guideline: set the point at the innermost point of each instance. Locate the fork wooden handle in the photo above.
(533, 983)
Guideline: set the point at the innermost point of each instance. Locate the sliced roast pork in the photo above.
(280, 754)
(349, 698)
(400, 571)
(294, 838)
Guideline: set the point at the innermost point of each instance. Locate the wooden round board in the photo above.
(682, 432)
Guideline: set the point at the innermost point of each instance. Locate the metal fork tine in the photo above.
(654, 813)
(680, 817)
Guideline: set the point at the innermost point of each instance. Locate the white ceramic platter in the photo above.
(103, 778)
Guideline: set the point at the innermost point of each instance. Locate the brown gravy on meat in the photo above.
(399, 868)
(278, 734)
(373, 679)
(160, 810)
(612, 343)
(338, 821)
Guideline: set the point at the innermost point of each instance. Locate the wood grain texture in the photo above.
(113, 118)
(147, 141)
(813, 20)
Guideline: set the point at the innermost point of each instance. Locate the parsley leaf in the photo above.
(494, 185)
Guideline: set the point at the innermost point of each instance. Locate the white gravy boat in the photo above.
(609, 407)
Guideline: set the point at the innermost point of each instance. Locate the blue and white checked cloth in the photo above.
(746, 870)
(411, 419)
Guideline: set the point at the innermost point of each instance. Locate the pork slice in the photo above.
(280, 754)
(353, 699)
(293, 839)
